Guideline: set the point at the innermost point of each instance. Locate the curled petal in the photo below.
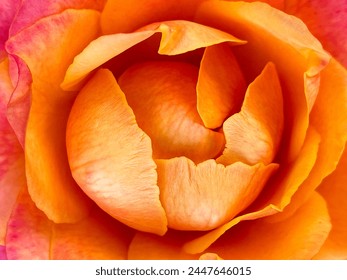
(273, 199)
(163, 97)
(48, 174)
(221, 86)
(8, 10)
(254, 134)
(328, 24)
(298, 237)
(334, 191)
(111, 157)
(274, 36)
(177, 37)
(204, 196)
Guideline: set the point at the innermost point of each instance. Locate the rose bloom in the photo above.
(173, 129)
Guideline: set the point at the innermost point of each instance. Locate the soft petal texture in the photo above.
(274, 198)
(331, 124)
(221, 86)
(298, 237)
(334, 191)
(11, 155)
(326, 20)
(204, 196)
(20, 101)
(254, 134)
(177, 37)
(8, 10)
(111, 157)
(145, 13)
(275, 36)
(163, 98)
(49, 178)
(31, 235)
(152, 247)
(33, 10)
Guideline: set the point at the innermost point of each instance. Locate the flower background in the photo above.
(44, 214)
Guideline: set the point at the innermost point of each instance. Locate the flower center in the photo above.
(163, 98)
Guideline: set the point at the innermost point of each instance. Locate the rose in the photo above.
(291, 183)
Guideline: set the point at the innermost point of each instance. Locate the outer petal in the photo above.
(111, 157)
(126, 16)
(177, 37)
(298, 237)
(33, 10)
(327, 20)
(334, 191)
(31, 235)
(329, 117)
(205, 196)
(152, 247)
(273, 199)
(254, 134)
(11, 155)
(275, 36)
(8, 10)
(55, 193)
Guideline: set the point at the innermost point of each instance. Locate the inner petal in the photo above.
(163, 98)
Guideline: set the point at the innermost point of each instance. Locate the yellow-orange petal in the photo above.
(49, 178)
(111, 157)
(254, 134)
(221, 86)
(298, 237)
(98, 52)
(329, 118)
(31, 236)
(207, 195)
(177, 37)
(163, 98)
(126, 16)
(210, 257)
(274, 36)
(274, 198)
(334, 191)
(146, 246)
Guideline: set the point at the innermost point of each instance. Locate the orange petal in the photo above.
(126, 16)
(111, 157)
(98, 52)
(177, 37)
(152, 247)
(221, 86)
(48, 174)
(31, 236)
(334, 191)
(298, 237)
(254, 134)
(329, 117)
(205, 196)
(274, 36)
(328, 24)
(163, 97)
(273, 199)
